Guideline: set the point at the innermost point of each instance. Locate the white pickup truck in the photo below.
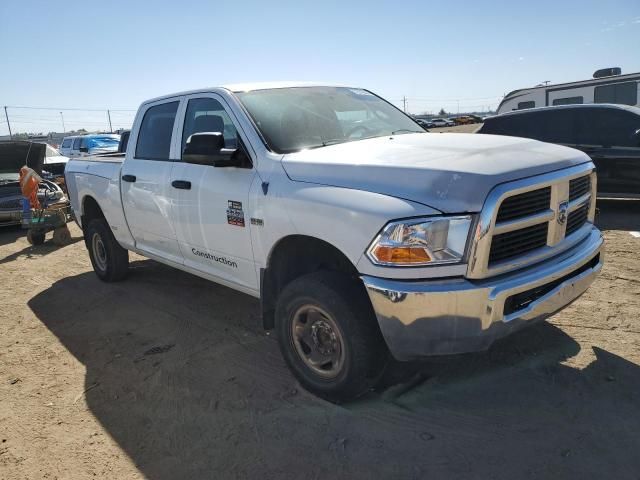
(361, 233)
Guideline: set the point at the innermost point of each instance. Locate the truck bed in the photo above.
(105, 157)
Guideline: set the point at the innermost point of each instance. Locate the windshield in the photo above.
(103, 142)
(292, 119)
(52, 152)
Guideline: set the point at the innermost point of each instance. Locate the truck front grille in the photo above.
(518, 242)
(529, 220)
(577, 218)
(523, 204)
(579, 187)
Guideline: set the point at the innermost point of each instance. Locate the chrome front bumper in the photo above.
(440, 317)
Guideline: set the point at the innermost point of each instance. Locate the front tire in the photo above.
(329, 336)
(110, 261)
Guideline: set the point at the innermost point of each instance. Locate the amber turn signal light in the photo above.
(401, 255)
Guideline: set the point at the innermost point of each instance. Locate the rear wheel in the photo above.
(110, 261)
(329, 337)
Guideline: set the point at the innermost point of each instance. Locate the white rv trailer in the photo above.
(606, 86)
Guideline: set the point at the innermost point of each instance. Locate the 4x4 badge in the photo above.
(562, 212)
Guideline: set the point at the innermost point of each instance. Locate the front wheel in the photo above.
(329, 336)
(110, 261)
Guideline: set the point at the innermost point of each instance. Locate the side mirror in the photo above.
(207, 148)
(84, 149)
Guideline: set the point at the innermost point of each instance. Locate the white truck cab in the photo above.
(362, 234)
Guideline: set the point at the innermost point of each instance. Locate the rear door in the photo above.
(75, 147)
(145, 181)
(608, 136)
(210, 204)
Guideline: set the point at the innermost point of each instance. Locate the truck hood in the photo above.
(451, 172)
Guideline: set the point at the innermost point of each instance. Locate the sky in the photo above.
(99, 55)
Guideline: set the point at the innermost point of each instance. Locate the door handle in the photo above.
(129, 178)
(182, 184)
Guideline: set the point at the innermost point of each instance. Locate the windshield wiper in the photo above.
(406, 130)
(334, 141)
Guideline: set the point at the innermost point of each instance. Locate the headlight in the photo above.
(421, 241)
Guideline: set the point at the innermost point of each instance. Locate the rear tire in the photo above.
(329, 336)
(110, 261)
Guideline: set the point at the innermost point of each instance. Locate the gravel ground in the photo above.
(167, 376)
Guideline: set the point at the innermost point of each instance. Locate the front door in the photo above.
(146, 185)
(210, 204)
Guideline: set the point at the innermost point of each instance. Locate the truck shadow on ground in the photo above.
(180, 374)
(618, 214)
(32, 251)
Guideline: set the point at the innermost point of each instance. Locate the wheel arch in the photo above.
(292, 257)
(91, 210)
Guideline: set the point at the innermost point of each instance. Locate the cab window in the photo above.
(154, 139)
(208, 115)
(76, 143)
(608, 128)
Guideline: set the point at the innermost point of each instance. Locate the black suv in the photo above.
(609, 134)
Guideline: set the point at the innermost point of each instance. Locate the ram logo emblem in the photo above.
(562, 212)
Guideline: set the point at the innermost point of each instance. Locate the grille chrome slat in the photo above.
(529, 220)
(579, 187)
(523, 222)
(577, 218)
(523, 204)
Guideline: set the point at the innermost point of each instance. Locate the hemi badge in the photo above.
(257, 221)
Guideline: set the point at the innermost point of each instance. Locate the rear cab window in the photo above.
(156, 130)
(66, 143)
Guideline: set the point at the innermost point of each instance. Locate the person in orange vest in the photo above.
(29, 181)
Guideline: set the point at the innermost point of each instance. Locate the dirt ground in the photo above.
(167, 376)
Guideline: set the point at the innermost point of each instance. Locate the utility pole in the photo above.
(64, 130)
(404, 104)
(110, 127)
(458, 106)
(8, 124)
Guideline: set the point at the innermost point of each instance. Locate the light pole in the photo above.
(8, 124)
(64, 130)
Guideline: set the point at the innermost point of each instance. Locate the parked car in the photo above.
(424, 124)
(360, 240)
(608, 133)
(87, 145)
(462, 120)
(442, 122)
(54, 161)
(475, 118)
(14, 155)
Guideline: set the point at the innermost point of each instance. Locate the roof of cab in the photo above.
(245, 87)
